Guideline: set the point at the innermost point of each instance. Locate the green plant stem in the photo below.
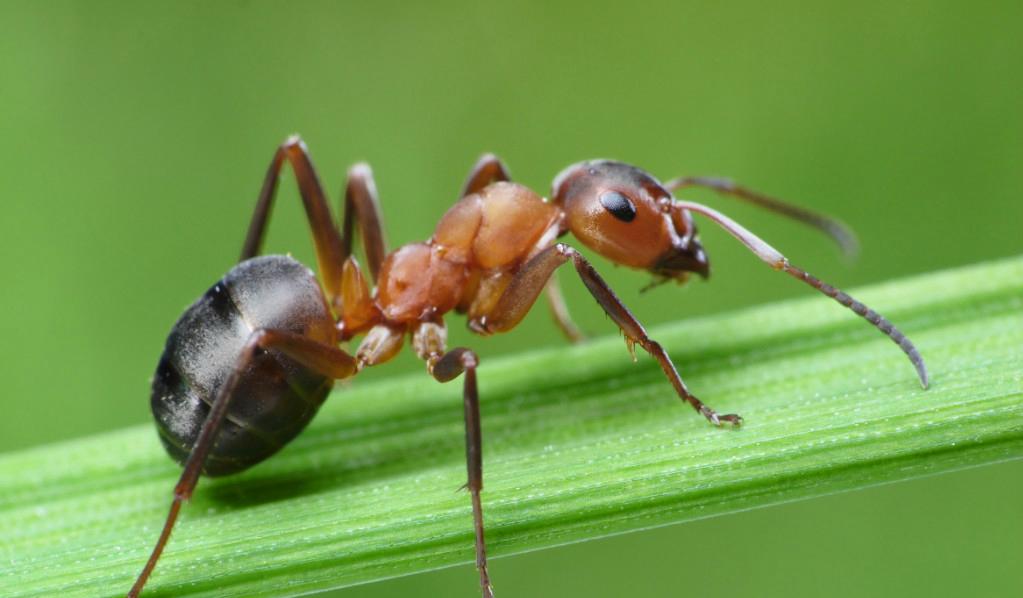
(579, 443)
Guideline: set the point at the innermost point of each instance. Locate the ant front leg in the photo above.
(429, 340)
(523, 290)
(491, 169)
(322, 359)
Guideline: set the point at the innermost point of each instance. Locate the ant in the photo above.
(247, 366)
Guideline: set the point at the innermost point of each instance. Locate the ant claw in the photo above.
(732, 418)
(718, 420)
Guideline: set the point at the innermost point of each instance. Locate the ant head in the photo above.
(626, 215)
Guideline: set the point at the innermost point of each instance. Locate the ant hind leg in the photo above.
(332, 247)
(362, 203)
(324, 359)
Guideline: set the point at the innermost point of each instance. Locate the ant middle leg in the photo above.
(488, 169)
(524, 288)
(429, 339)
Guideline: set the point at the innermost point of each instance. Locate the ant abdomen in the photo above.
(281, 396)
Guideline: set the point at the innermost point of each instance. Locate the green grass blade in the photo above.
(579, 443)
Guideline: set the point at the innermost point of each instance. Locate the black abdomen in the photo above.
(275, 398)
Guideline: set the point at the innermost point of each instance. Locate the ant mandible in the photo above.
(248, 364)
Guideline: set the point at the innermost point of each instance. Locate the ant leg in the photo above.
(362, 203)
(559, 311)
(323, 359)
(488, 169)
(838, 232)
(525, 287)
(429, 339)
(447, 368)
(332, 247)
(356, 311)
(329, 252)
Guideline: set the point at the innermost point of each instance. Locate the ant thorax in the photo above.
(475, 250)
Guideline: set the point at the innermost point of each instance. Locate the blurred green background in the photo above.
(135, 136)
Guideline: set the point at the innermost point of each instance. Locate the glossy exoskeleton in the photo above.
(248, 364)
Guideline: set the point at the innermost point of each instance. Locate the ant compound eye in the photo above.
(619, 205)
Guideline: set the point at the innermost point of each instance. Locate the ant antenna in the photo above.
(841, 234)
(772, 257)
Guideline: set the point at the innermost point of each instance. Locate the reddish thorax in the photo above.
(477, 247)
